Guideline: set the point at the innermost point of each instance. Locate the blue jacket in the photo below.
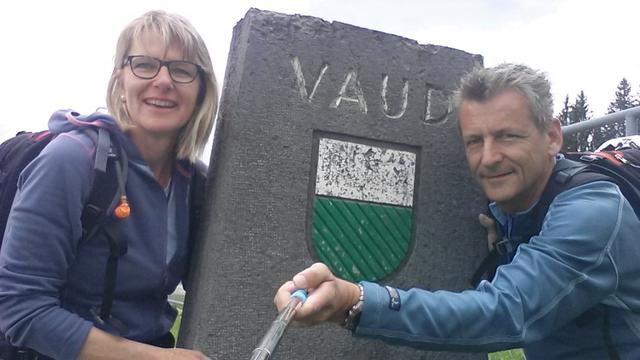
(587, 253)
(50, 279)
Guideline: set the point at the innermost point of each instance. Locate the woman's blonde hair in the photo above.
(172, 28)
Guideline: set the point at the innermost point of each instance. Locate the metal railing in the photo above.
(630, 117)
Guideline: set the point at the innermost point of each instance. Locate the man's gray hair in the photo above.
(481, 84)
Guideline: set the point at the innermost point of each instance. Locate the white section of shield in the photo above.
(366, 173)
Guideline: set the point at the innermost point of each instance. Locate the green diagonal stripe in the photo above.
(360, 240)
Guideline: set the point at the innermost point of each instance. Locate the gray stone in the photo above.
(290, 82)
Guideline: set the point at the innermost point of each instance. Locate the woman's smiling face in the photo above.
(158, 106)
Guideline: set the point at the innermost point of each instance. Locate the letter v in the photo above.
(302, 85)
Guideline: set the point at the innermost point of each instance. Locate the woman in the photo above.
(163, 96)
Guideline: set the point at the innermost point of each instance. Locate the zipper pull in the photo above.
(122, 211)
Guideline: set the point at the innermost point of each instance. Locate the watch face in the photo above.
(357, 308)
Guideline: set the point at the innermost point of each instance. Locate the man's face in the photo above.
(507, 154)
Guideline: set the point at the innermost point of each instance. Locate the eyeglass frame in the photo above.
(165, 63)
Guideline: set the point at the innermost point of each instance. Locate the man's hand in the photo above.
(329, 297)
(490, 225)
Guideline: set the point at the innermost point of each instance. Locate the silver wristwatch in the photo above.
(352, 317)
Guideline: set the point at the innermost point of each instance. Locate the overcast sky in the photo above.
(58, 54)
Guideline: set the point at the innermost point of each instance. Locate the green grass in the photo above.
(514, 354)
(175, 329)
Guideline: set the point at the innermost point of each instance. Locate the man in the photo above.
(571, 292)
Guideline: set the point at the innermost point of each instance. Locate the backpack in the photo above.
(618, 164)
(106, 197)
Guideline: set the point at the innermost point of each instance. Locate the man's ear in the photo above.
(554, 132)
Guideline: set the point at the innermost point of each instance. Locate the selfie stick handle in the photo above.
(270, 340)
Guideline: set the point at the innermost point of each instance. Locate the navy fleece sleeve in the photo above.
(42, 233)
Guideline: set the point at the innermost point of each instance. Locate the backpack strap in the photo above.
(566, 174)
(110, 176)
(197, 199)
(487, 268)
(103, 147)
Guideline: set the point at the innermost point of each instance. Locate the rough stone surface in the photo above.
(290, 81)
(370, 173)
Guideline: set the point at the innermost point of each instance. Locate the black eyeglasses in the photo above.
(148, 67)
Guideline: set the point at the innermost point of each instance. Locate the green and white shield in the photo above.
(363, 207)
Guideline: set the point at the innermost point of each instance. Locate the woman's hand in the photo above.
(101, 345)
(179, 354)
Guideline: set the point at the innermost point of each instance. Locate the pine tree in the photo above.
(565, 112)
(570, 141)
(624, 100)
(585, 140)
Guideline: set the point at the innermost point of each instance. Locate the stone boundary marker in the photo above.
(334, 143)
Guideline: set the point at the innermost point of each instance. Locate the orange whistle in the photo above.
(123, 210)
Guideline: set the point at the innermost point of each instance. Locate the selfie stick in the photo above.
(278, 326)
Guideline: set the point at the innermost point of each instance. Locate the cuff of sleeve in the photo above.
(375, 298)
(72, 347)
